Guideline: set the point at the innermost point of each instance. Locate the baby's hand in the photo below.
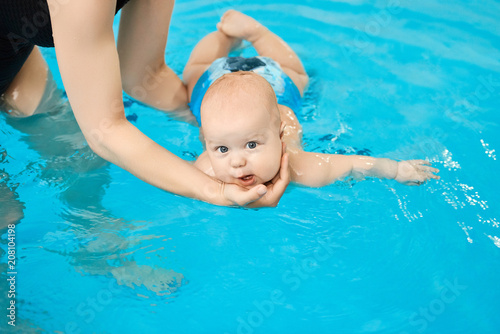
(415, 172)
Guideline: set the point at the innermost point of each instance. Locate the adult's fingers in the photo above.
(237, 195)
(276, 188)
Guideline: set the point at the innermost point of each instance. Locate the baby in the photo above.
(246, 110)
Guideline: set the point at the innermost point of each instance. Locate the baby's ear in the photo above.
(282, 129)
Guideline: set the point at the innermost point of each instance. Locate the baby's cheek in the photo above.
(273, 167)
(220, 172)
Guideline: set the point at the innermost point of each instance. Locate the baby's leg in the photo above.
(208, 49)
(267, 44)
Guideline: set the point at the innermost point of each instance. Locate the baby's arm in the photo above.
(316, 170)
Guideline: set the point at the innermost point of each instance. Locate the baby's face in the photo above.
(243, 143)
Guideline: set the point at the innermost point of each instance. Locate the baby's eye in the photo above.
(222, 149)
(251, 145)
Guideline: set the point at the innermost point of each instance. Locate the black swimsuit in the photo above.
(24, 24)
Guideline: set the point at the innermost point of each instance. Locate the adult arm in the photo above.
(142, 41)
(90, 69)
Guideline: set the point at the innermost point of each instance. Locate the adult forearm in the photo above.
(125, 146)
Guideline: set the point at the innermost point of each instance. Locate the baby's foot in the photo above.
(239, 25)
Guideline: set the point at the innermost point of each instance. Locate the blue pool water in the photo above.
(99, 251)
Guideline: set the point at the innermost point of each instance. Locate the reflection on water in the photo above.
(61, 167)
(11, 209)
(159, 280)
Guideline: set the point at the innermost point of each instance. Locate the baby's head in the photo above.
(241, 126)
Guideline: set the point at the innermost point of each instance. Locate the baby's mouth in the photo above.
(247, 180)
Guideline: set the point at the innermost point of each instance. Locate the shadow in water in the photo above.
(90, 238)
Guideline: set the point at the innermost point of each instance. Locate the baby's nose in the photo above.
(238, 160)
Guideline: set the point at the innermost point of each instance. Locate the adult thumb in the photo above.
(244, 197)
